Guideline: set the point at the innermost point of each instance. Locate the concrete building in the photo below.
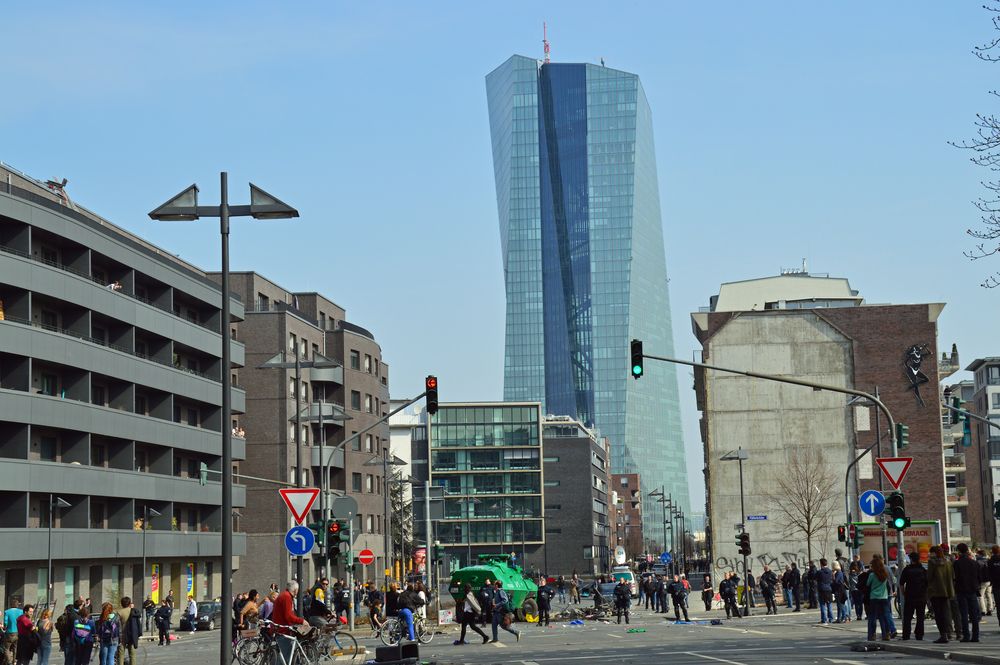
(790, 431)
(986, 403)
(351, 396)
(487, 458)
(583, 260)
(578, 523)
(961, 471)
(110, 370)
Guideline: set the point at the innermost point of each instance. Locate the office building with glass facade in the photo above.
(584, 263)
(487, 457)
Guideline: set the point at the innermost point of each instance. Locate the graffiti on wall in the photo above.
(776, 562)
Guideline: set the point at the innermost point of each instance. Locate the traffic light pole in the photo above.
(808, 384)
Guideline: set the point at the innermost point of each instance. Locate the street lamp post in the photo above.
(384, 462)
(183, 208)
(54, 502)
(739, 455)
(146, 512)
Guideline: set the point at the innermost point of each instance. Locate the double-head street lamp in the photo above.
(739, 455)
(146, 513)
(468, 524)
(663, 499)
(54, 502)
(184, 208)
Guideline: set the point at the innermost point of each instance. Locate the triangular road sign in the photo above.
(299, 500)
(894, 468)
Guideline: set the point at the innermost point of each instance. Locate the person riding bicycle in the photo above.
(409, 601)
(317, 612)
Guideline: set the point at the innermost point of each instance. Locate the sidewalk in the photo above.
(986, 652)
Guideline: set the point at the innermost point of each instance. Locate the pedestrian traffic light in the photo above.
(956, 414)
(897, 511)
(966, 432)
(431, 388)
(636, 358)
(744, 543)
(902, 435)
(203, 474)
(842, 533)
(857, 536)
(319, 532)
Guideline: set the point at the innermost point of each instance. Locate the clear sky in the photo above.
(784, 130)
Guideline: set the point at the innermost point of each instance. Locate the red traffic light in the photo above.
(431, 382)
(334, 527)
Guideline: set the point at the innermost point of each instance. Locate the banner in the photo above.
(420, 560)
(154, 584)
(190, 578)
(919, 537)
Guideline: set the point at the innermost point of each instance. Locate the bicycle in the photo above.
(332, 643)
(301, 646)
(392, 630)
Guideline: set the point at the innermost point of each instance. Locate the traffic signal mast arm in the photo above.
(380, 421)
(967, 414)
(204, 471)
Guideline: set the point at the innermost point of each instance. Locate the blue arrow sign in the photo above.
(665, 557)
(299, 540)
(872, 503)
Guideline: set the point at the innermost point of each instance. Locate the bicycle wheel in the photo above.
(311, 650)
(391, 633)
(343, 644)
(424, 632)
(251, 652)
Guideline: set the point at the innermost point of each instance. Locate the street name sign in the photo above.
(299, 540)
(894, 469)
(299, 500)
(752, 518)
(872, 503)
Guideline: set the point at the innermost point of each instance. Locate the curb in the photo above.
(928, 652)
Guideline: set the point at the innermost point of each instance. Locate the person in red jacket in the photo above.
(284, 606)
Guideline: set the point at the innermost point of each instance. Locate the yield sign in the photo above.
(894, 468)
(299, 500)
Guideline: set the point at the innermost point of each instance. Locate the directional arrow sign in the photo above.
(299, 540)
(872, 503)
(894, 468)
(299, 500)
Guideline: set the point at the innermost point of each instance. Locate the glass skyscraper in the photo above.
(584, 266)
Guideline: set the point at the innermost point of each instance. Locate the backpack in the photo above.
(83, 632)
(109, 631)
(505, 603)
(62, 626)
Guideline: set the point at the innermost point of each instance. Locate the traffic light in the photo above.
(956, 403)
(897, 511)
(203, 474)
(842, 533)
(966, 432)
(636, 358)
(744, 543)
(319, 532)
(431, 387)
(337, 530)
(902, 435)
(438, 551)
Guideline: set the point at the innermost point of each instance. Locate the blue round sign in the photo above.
(872, 503)
(665, 557)
(299, 540)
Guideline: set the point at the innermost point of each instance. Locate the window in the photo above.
(304, 434)
(315, 350)
(624, 481)
(263, 303)
(304, 391)
(552, 483)
(192, 521)
(369, 446)
(355, 400)
(141, 405)
(193, 417)
(368, 403)
(292, 342)
(355, 360)
(99, 396)
(49, 449)
(49, 384)
(371, 524)
(97, 455)
(193, 468)
(369, 483)
(356, 482)
(304, 348)
(291, 388)
(368, 363)
(322, 320)
(291, 432)
(550, 460)
(996, 400)
(355, 442)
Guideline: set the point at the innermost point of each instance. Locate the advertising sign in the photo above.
(154, 584)
(190, 578)
(420, 560)
(918, 537)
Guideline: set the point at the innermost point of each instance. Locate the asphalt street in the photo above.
(787, 638)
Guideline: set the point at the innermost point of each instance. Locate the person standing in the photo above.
(677, 597)
(940, 591)
(501, 612)
(10, 618)
(574, 589)
(854, 590)
(83, 635)
(64, 627)
(985, 595)
(812, 594)
(768, 587)
(545, 594)
(913, 590)
(751, 588)
(162, 619)
(727, 589)
(44, 628)
(109, 632)
(25, 649)
(786, 586)
(267, 607)
(131, 631)
(561, 588)
(878, 588)
(623, 600)
(993, 572)
(795, 578)
(839, 588)
(149, 608)
(192, 613)
(470, 608)
(823, 581)
(707, 592)
(966, 588)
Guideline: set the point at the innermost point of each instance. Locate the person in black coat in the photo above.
(162, 618)
(485, 598)
(677, 596)
(707, 592)
(795, 578)
(768, 587)
(661, 593)
(913, 585)
(812, 589)
(623, 599)
(545, 593)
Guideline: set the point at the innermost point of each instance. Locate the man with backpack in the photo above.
(64, 629)
(623, 600)
(162, 618)
(344, 601)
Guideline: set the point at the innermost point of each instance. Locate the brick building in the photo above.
(626, 493)
(818, 329)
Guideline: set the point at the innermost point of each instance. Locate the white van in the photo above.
(623, 572)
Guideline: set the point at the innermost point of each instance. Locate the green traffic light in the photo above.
(637, 370)
(899, 522)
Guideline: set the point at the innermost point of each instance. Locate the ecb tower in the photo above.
(584, 265)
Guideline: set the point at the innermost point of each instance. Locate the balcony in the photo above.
(955, 463)
(959, 532)
(957, 497)
(91, 544)
(331, 457)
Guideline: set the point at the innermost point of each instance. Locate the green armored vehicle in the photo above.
(501, 567)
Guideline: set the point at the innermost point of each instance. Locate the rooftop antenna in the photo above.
(545, 41)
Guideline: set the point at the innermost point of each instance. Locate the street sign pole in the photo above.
(350, 573)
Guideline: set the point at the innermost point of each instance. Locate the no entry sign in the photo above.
(366, 557)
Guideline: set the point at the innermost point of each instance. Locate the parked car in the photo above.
(629, 577)
(209, 617)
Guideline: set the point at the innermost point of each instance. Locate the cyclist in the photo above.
(284, 614)
(318, 612)
(409, 601)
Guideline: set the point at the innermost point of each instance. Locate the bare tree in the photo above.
(985, 146)
(804, 496)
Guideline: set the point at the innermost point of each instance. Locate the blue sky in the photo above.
(783, 130)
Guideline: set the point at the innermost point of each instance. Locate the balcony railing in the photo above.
(954, 461)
